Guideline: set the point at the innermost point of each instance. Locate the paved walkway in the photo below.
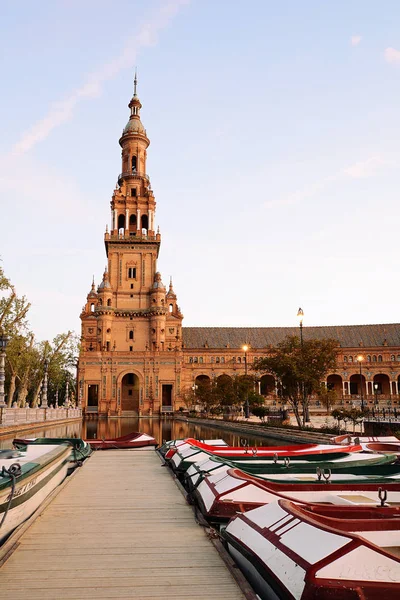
(120, 528)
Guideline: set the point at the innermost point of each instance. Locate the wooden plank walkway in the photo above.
(119, 529)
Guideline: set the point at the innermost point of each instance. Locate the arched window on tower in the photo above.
(121, 222)
(132, 225)
(92, 307)
(171, 308)
(134, 164)
(131, 335)
(145, 222)
(109, 302)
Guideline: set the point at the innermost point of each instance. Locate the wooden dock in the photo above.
(120, 528)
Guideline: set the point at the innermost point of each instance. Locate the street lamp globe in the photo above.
(300, 315)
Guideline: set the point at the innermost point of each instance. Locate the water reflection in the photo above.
(160, 429)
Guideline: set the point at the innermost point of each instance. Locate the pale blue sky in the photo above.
(274, 153)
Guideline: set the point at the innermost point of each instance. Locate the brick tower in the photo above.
(131, 353)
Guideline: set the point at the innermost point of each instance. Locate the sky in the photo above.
(274, 153)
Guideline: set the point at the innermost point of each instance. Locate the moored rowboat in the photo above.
(356, 463)
(80, 449)
(168, 448)
(296, 552)
(131, 440)
(192, 451)
(220, 496)
(26, 479)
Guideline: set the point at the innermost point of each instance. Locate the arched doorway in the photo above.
(381, 385)
(355, 385)
(335, 383)
(130, 392)
(267, 385)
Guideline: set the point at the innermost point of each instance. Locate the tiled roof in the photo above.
(349, 336)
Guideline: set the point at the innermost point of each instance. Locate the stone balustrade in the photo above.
(21, 416)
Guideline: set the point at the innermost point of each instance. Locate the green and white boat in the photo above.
(80, 450)
(27, 477)
(355, 463)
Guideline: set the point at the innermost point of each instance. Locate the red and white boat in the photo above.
(384, 444)
(220, 496)
(168, 449)
(367, 439)
(131, 440)
(193, 451)
(297, 552)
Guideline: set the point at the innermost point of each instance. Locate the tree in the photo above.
(299, 367)
(327, 397)
(13, 310)
(261, 412)
(206, 394)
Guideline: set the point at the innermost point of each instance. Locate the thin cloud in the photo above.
(355, 40)
(367, 168)
(63, 111)
(359, 170)
(392, 55)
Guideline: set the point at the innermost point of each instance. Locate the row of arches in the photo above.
(133, 224)
(379, 385)
(266, 384)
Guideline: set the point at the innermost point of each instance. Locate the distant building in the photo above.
(136, 358)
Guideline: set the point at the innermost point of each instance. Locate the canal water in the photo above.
(161, 429)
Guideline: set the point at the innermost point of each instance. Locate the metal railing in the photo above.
(134, 175)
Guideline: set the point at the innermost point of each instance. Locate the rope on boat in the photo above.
(13, 472)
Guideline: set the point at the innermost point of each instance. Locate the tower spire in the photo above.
(135, 85)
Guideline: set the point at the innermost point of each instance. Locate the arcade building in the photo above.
(136, 357)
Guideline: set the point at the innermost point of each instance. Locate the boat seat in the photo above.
(10, 454)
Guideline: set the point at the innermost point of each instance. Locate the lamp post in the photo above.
(360, 358)
(245, 348)
(3, 346)
(300, 316)
(43, 403)
(376, 387)
(194, 401)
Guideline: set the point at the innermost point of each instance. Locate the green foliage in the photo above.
(328, 398)
(25, 357)
(13, 310)
(299, 367)
(260, 411)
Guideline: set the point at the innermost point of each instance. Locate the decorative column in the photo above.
(43, 403)
(66, 401)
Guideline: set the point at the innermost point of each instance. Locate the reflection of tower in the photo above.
(130, 319)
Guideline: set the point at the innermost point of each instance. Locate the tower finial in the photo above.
(135, 84)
